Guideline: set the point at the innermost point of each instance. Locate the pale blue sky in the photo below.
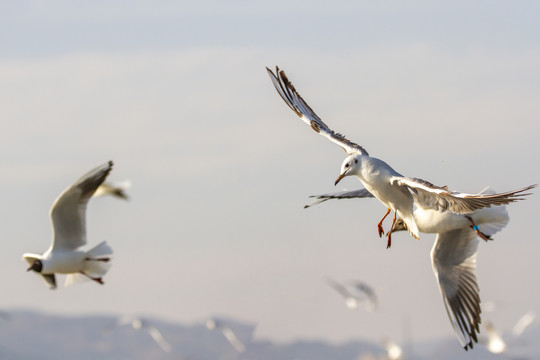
(177, 95)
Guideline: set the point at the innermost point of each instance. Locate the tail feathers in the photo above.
(491, 220)
(98, 260)
(102, 249)
(75, 278)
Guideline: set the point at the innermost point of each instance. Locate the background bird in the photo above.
(213, 324)
(355, 293)
(138, 323)
(68, 216)
(114, 189)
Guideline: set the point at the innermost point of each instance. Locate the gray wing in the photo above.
(440, 198)
(348, 194)
(454, 262)
(293, 99)
(368, 292)
(68, 213)
(158, 337)
(342, 290)
(50, 280)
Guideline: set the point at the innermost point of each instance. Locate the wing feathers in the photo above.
(442, 199)
(454, 261)
(68, 213)
(293, 99)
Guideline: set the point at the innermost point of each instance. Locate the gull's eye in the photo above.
(356, 161)
(347, 165)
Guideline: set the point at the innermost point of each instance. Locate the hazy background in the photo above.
(176, 93)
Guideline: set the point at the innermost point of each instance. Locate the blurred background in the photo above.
(177, 95)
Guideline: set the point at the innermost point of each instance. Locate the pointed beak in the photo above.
(341, 176)
(30, 268)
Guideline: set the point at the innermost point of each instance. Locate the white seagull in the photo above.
(355, 294)
(114, 189)
(138, 323)
(231, 337)
(453, 257)
(397, 192)
(68, 216)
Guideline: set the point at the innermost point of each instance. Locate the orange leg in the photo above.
(98, 280)
(379, 225)
(389, 235)
(477, 230)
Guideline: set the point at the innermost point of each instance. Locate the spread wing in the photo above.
(68, 213)
(342, 290)
(454, 262)
(293, 99)
(347, 194)
(158, 338)
(369, 294)
(441, 198)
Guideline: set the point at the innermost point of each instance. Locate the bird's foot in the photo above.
(96, 279)
(380, 229)
(98, 259)
(379, 225)
(389, 240)
(476, 229)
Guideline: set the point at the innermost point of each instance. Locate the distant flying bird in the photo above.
(495, 343)
(138, 323)
(523, 323)
(398, 193)
(212, 324)
(355, 293)
(117, 190)
(393, 350)
(453, 258)
(68, 216)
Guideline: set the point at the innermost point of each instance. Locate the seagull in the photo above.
(138, 323)
(117, 190)
(393, 350)
(397, 192)
(355, 294)
(231, 337)
(453, 257)
(68, 216)
(495, 343)
(523, 323)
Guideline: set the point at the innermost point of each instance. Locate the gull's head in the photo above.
(35, 265)
(350, 166)
(400, 225)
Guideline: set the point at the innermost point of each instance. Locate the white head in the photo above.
(350, 166)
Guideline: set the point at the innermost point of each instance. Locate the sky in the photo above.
(177, 95)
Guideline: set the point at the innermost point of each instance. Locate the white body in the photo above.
(68, 217)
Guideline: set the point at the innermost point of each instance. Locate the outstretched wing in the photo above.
(293, 99)
(453, 258)
(68, 213)
(347, 194)
(441, 198)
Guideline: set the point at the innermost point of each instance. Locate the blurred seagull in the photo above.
(397, 192)
(138, 323)
(524, 322)
(117, 190)
(393, 350)
(68, 216)
(355, 294)
(231, 337)
(453, 257)
(495, 343)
